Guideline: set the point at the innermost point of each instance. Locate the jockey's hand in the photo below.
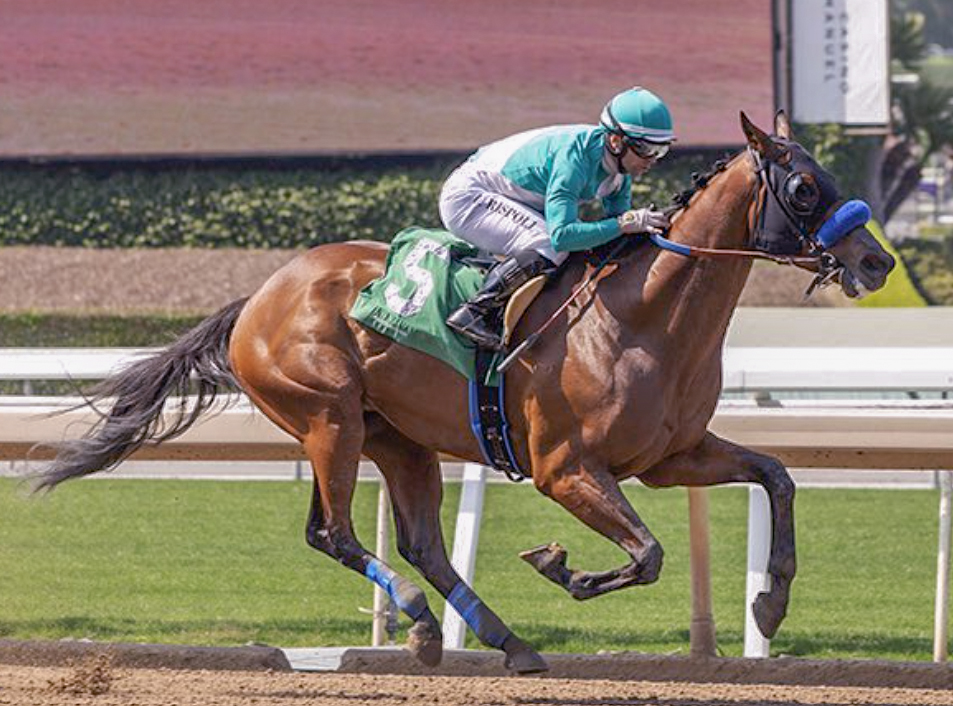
(643, 220)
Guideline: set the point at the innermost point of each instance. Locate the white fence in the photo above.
(858, 433)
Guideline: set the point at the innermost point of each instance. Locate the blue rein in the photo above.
(848, 217)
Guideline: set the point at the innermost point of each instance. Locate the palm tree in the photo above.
(922, 123)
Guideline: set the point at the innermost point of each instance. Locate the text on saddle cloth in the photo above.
(427, 277)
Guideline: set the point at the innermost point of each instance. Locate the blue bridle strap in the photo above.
(664, 243)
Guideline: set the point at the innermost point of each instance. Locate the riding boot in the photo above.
(477, 318)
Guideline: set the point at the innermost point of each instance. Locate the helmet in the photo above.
(640, 115)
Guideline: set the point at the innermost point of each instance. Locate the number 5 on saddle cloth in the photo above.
(428, 275)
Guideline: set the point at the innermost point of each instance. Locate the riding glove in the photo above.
(643, 220)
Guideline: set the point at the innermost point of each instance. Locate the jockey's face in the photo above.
(635, 165)
(632, 163)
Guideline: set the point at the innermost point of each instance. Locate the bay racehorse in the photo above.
(623, 385)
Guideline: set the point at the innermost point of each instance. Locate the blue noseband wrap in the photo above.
(849, 216)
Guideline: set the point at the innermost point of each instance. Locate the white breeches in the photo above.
(476, 206)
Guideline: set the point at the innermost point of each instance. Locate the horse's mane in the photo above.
(679, 202)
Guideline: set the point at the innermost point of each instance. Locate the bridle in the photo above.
(780, 190)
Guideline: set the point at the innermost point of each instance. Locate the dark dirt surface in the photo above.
(201, 281)
(104, 676)
(131, 281)
(139, 77)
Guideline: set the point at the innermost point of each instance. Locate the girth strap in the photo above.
(488, 418)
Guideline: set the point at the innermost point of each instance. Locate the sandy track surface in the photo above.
(129, 281)
(48, 673)
(45, 686)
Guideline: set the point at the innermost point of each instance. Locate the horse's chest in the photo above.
(643, 413)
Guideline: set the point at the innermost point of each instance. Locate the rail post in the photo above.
(466, 538)
(759, 545)
(702, 630)
(941, 620)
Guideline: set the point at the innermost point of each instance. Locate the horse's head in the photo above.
(798, 212)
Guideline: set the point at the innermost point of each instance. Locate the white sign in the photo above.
(840, 61)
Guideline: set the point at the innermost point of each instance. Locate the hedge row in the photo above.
(141, 207)
(223, 206)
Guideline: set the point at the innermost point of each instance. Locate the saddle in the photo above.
(518, 303)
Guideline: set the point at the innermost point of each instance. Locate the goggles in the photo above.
(646, 149)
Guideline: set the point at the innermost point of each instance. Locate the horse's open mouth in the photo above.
(850, 286)
(870, 275)
(864, 264)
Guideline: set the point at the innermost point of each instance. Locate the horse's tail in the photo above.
(196, 363)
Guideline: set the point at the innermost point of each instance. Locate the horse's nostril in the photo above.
(874, 265)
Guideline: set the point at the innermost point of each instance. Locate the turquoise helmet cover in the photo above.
(640, 114)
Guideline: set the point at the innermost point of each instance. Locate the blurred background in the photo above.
(161, 160)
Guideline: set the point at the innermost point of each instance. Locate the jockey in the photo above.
(520, 197)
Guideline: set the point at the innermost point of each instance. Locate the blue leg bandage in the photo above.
(489, 628)
(396, 587)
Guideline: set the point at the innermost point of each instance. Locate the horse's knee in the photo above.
(777, 481)
(338, 544)
(415, 553)
(650, 563)
(548, 483)
(423, 554)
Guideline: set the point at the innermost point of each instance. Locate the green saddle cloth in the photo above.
(424, 281)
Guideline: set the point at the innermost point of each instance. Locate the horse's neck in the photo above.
(692, 299)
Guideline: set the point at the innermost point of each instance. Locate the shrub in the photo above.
(263, 205)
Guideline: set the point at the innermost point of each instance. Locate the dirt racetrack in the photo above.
(105, 675)
(43, 686)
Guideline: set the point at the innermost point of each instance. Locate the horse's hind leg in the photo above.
(413, 478)
(334, 446)
(715, 461)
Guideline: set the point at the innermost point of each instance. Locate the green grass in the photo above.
(225, 563)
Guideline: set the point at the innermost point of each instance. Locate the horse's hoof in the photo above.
(546, 558)
(425, 643)
(521, 658)
(767, 613)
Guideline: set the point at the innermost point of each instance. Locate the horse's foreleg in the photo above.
(594, 497)
(413, 479)
(716, 461)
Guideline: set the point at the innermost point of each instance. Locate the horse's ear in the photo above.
(759, 140)
(782, 126)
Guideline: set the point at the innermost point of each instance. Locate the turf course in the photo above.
(225, 563)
